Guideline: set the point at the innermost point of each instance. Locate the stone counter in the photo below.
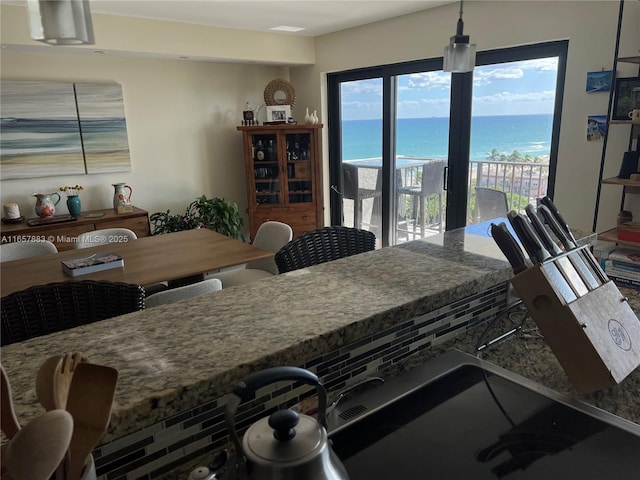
(178, 362)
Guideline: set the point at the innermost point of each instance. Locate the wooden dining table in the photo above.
(147, 261)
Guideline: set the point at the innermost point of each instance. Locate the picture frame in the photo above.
(627, 97)
(278, 113)
(596, 127)
(599, 81)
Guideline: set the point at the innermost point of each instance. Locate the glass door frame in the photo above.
(460, 116)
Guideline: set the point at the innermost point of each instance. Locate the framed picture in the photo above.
(596, 127)
(627, 97)
(278, 113)
(599, 81)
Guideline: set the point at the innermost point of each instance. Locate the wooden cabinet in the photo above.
(283, 169)
(63, 234)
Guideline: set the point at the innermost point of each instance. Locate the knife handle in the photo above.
(528, 237)
(540, 229)
(509, 247)
(556, 228)
(547, 202)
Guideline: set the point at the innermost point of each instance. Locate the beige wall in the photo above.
(182, 114)
(181, 122)
(590, 27)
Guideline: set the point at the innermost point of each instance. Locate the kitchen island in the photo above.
(374, 313)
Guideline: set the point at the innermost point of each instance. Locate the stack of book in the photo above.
(623, 267)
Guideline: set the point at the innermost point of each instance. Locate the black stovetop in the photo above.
(461, 418)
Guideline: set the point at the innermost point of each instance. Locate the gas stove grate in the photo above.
(353, 412)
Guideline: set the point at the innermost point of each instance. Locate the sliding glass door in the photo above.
(396, 170)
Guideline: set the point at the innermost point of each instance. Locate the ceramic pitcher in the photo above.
(120, 196)
(45, 206)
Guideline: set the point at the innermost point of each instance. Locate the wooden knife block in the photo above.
(596, 338)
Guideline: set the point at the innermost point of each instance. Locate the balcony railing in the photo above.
(522, 182)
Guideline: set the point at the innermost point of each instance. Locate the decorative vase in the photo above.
(74, 205)
(45, 206)
(307, 117)
(120, 197)
(314, 117)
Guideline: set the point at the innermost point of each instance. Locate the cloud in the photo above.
(506, 97)
(362, 87)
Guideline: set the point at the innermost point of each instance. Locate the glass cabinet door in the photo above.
(299, 179)
(266, 172)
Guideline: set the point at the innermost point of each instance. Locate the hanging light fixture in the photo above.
(60, 22)
(459, 55)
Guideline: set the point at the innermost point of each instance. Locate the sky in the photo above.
(514, 88)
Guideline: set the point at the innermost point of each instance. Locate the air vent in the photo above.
(353, 412)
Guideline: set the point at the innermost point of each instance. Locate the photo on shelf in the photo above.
(627, 97)
(599, 81)
(278, 113)
(596, 127)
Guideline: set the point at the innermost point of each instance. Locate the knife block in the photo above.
(596, 338)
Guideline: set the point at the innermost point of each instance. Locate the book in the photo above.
(625, 282)
(611, 269)
(91, 264)
(626, 255)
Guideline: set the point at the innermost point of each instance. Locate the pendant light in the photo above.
(60, 22)
(459, 55)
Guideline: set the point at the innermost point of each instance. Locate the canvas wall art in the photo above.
(53, 128)
(40, 134)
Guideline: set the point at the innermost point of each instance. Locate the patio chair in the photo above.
(19, 250)
(323, 245)
(271, 236)
(49, 308)
(431, 187)
(491, 204)
(353, 191)
(181, 293)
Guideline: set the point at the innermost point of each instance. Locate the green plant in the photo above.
(215, 213)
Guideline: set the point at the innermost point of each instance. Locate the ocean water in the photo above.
(429, 137)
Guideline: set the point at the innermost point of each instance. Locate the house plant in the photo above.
(215, 213)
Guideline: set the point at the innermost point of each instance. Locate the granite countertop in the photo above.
(174, 357)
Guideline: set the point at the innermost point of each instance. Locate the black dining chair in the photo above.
(323, 245)
(431, 187)
(49, 308)
(490, 204)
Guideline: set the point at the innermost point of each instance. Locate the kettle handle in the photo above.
(245, 389)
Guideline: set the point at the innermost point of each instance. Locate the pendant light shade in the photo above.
(60, 22)
(459, 55)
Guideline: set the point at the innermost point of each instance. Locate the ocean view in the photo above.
(428, 137)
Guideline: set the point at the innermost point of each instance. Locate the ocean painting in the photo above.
(40, 134)
(44, 134)
(104, 127)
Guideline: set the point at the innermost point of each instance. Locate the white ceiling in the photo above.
(317, 17)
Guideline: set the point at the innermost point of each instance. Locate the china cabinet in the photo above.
(283, 168)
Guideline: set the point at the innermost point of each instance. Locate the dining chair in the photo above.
(271, 236)
(323, 245)
(181, 293)
(26, 249)
(105, 236)
(353, 191)
(52, 307)
(431, 187)
(490, 204)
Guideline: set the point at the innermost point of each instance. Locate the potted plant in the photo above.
(215, 213)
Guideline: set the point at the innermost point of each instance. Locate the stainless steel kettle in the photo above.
(286, 445)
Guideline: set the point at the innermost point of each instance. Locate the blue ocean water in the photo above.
(429, 137)
(28, 136)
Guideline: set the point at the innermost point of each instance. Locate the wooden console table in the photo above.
(63, 235)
